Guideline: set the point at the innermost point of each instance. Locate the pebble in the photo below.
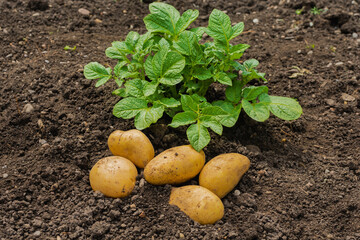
(42, 141)
(181, 235)
(5, 175)
(37, 233)
(355, 35)
(47, 61)
(347, 97)
(339, 63)
(5, 31)
(98, 20)
(255, 20)
(310, 52)
(28, 108)
(36, 14)
(141, 183)
(330, 102)
(311, 24)
(329, 65)
(236, 192)
(299, 51)
(84, 11)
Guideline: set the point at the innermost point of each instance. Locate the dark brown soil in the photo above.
(304, 179)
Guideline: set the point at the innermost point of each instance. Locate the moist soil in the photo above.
(303, 182)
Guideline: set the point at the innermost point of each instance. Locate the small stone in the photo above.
(47, 61)
(5, 31)
(84, 11)
(355, 35)
(330, 102)
(311, 24)
(141, 183)
(253, 148)
(329, 65)
(37, 233)
(98, 20)
(236, 192)
(28, 108)
(347, 97)
(310, 52)
(255, 20)
(42, 141)
(181, 235)
(5, 175)
(299, 51)
(36, 14)
(327, 171)
(339, 63)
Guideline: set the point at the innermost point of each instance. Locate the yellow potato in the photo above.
(113, 176)
(200, 204)
(175, 165)
(222, 173)
(133, 145)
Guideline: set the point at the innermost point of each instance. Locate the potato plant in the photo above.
(170, 68)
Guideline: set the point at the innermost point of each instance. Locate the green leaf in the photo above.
(148, 116)
(170, 68)
(131, 39)
(119, 67)
(189, 104)
(135, 87)
(150, 88)
(257, 111)
(118, 50)
(231, 118)
(233, 93)
(223, 78)
(285, 108)
(163, 18)
(199, 31)
(149, 69)
(252, 92)
(237, 29)
(120, 92)
(250, 64)
(129, 107)
(237, 51)
(212, 123)
(198, 136)
(185, 43)
(219, 26)
(95, 70)
(183, 118)
(213, 111)
(185, 20)
(169, 102)
(143, 42)
(202, 73)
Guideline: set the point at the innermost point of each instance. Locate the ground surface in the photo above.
(304, 179)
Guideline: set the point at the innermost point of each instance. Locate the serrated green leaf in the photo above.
(198, 136)
(189, 104)
(163, 18)
(237, 29)
(119, 81)
(212, 123)
(185, 20)
(223, 78)
(183, 118)
(148, 116)
(169, 67)
(285, 108)
(233, 93)
(257, 111)
(219, 26)
(253, 74)
(118, 50)
(129, 107)
(169, 102)
(118, 67)
(141, 42)
(95, 70)
(252, 92)
(171, 80)
(202, 73)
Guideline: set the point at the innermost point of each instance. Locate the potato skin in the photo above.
(114, 176)
(133, 145)
(199, 203)
(175, 165)
(222, 173)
